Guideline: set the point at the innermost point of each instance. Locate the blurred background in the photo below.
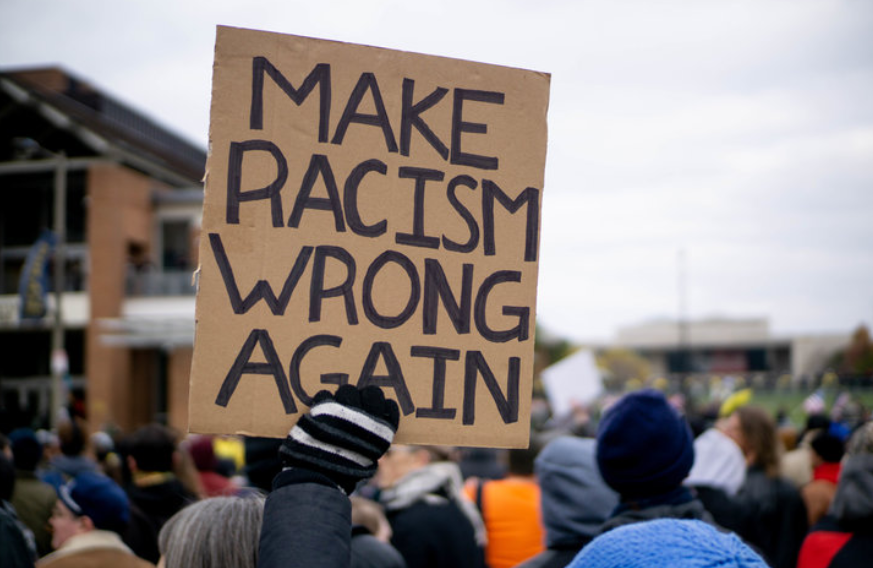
(705, 215)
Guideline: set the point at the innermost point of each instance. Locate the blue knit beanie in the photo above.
(667, 542)
(644, 447)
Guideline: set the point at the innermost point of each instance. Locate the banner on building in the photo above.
(33, 285)
(371, 217)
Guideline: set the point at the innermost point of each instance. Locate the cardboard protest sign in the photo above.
(371, 217)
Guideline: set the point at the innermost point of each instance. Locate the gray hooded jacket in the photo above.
(575, 501)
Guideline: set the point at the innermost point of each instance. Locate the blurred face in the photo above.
(65, 524)
(396, 463)
(731, 426)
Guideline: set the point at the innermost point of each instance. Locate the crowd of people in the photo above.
(646, 484)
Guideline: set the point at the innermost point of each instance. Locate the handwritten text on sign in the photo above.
(371, 217)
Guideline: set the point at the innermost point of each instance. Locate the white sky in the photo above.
(738, 131)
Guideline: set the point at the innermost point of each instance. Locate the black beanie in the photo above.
(644, 447)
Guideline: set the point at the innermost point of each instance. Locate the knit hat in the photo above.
(644, 447)
(26, 449)
(203, 453)
(667, 542)
(98, 497)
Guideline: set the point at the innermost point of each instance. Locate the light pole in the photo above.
(59, 361)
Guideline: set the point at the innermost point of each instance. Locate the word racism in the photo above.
(331, 289)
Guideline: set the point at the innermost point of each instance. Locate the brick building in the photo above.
(133, 205)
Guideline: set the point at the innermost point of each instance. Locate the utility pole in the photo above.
(682, 320)
(59, 361)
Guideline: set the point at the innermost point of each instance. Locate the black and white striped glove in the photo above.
(343, 436)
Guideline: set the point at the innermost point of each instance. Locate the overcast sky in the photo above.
(740, 132)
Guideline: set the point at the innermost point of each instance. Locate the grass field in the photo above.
(792, 401)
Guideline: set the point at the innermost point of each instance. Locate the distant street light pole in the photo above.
(684, 340)
(59, 361)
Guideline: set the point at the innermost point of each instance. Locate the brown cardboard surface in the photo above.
(468, 139)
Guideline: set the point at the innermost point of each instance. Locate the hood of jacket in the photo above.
(853, 502)
(575, 500)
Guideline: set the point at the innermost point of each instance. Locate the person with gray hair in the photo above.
(220, 532)
(844, 538)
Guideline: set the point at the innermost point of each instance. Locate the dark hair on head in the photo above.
(521, 460)
(71, 435)
(7, 478)
(26, 449)
(152, 447)
(828, 447)
(759, 432)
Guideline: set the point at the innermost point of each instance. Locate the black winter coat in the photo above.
(774, 518)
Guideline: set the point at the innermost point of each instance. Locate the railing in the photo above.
(160, 283)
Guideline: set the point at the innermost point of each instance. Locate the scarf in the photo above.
(435, 483)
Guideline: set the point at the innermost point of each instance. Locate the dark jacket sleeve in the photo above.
(14, 551)
(307, 523)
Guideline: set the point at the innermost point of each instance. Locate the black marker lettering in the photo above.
(520, 331)
(262, 289)
(417, 237)
(459, 126)
(410, 116)
(243, 366)
(394, 378)
(318, 165)
(367, 82)
(388, 322)
(436, 287)
(507, 406)
(350, 199)
(320, 75)
(234, 180)
(297, 359)
(472, 226)
(439, 356)
(529, 197)
(317, 292)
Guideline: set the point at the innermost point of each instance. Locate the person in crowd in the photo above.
(34, 500)
(155, 491)
(17, 549)
(645, 451)
(434, 525)
(482, 463)
(718, 472)
(5, 447)
(827, 451)
(213, 483)
(262, 462)
(371, 537)
(91, 512)
(844, 537)
(667, 542)
(510, 508)
(307, 516)
(796, 464)
(74, 458)
(219, 532)
(774, 516)
(574, 501)
(107, 458)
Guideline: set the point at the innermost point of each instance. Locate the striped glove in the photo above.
(343, 436)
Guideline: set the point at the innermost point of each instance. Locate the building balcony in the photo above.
(150, 283)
